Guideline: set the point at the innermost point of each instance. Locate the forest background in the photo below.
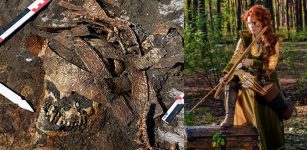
(210, 36)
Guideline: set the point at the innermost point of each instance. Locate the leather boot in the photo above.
(231, 94)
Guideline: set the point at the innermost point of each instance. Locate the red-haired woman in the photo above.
(244, 104)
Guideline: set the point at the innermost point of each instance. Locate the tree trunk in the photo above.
(233, 18)
(205, 46)
(194, 13)
(210, 14)
(278, 14)
(194, 8)
(298, 15)
(268, 4)
(291, 3)
(219, 17)
(239, 23)
(252, 2)
(218, 6)
(228, 10)
(305, 12)
(202, 14)
(283, 14)
(187, 15)
(288, 18)
(203, 26)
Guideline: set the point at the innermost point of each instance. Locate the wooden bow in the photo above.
(230, 73)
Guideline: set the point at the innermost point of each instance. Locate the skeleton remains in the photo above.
(94, 62)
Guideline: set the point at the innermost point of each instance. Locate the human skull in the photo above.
(66, 103)
(66, 114)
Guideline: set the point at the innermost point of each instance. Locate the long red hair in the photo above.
(262, 14)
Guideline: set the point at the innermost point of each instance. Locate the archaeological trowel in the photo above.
(15, 98)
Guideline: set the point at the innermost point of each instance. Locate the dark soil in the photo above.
(22, 70)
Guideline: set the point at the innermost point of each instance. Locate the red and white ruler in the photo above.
(22, 18)
(174, 109)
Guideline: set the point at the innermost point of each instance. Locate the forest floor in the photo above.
(292, 74)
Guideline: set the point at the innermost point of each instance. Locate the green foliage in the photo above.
(290, 56)
(193, 42)
(292, 35)
(209, 51)
(207, 118)
(218, 139)
(189, 118)
(205, 51)
(204, 117)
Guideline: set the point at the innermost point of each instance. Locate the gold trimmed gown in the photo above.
(251, 108)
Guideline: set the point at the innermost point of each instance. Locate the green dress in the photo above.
(251, 108)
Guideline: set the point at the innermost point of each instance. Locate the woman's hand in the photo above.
(223, 79)
(247, 62)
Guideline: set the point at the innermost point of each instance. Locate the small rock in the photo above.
(149, 59)
(161, 29)
(27, 91)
